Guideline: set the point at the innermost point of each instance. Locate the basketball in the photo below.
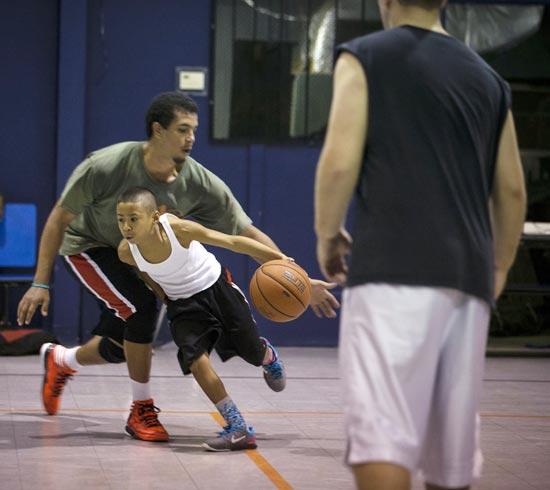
(280, 290)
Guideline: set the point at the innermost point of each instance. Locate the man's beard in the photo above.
(178, 161)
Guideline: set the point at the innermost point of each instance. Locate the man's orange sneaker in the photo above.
(144, 424)
(55, 378)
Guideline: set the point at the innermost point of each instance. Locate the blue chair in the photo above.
(17, 249)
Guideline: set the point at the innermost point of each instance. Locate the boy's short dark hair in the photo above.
(141, 195)
(163, 106)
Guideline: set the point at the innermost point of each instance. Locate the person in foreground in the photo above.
(82, 227)
(420, 129)
(205, 307)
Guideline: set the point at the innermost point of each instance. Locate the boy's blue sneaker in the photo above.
(274, 373)
(232, 439)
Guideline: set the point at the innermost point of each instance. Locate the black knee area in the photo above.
(140, 327)
(111, 352)
(254, 355)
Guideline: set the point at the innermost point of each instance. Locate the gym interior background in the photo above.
(79, 74)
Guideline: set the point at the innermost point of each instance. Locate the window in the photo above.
(273, 62)
(273, 65)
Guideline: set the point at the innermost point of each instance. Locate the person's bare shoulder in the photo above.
(184, 229)
(173, 220)
(124, 252)
(182, 226)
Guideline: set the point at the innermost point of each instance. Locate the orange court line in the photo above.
(260, 461)
(489, 415)
(256, 414)
(170, 411)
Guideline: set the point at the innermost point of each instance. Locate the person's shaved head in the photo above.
(425, 4)
(144, 197)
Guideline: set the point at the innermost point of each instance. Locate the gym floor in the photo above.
(301, 443)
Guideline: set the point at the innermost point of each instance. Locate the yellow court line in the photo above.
(260, 461)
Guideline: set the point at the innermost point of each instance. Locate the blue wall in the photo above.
(92, 88)
(28, 93)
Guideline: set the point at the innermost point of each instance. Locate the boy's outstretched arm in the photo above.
(187, 231)
(323, 302)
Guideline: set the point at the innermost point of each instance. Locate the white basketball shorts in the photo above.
(412, 361)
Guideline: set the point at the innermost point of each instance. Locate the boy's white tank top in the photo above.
(187, 271)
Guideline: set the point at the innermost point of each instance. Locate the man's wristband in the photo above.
(40, 285)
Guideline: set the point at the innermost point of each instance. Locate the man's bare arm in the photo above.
(339, 166)
(342, 154)
(50, 242)
(256, 234)
(507, 204)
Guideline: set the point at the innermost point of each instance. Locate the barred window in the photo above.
(273, 63)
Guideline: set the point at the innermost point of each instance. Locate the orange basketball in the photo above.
(280, 290)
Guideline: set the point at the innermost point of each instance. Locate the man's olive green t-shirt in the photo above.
(93, 189)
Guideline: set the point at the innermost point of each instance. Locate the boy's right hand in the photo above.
(33, 298)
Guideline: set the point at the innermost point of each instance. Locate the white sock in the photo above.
(140, 391)
(66, 357)
(69, 358)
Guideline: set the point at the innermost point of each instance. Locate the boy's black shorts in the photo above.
(218, 317)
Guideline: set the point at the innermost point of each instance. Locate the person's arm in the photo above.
(220, 210)
(125, 255)
(77, 194)
(256, 234)
(323, 303)
(186, 231)
(340, 164)
(50, 242)
(507, 204)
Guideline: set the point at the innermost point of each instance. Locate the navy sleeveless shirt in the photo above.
(435, 115)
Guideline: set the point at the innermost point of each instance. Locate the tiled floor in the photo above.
(301, 443)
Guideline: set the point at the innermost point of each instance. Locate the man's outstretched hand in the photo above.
(323, 303)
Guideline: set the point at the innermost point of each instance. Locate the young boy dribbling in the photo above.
(204, 307)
